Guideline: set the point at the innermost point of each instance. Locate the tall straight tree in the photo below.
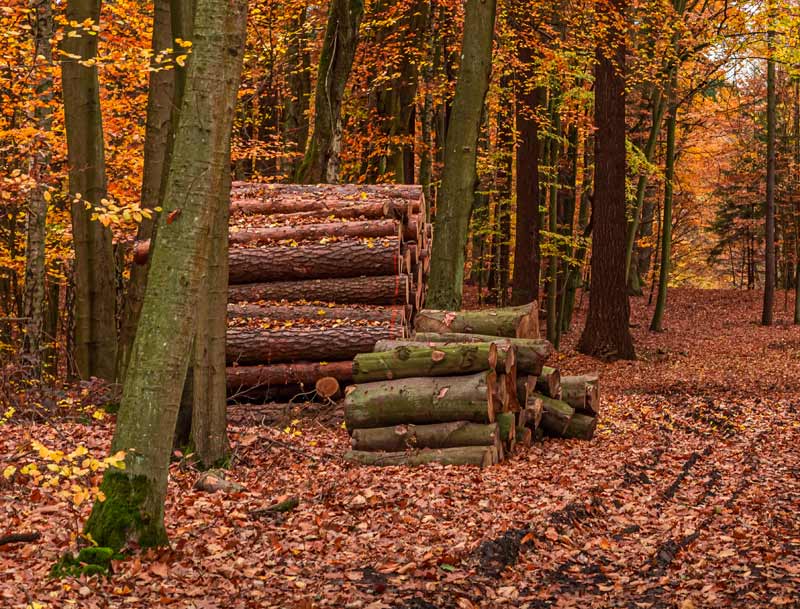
(459, 176)
(527, 262)
(769, 207)
(321, 161)
(797, 211)
(160, 97)
(34, 297)
(94, 270)
(134, 505)
(607, 332)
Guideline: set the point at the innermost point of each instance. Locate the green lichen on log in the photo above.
(121, 515)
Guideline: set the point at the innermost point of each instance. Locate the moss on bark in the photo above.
(122, 515)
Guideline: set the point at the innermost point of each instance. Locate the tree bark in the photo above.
(321, 162)
(363, 229)
(247, 346)
(390, 290)
(405, 362)
(531, 354)
(769, 208)
(297, 373)
(463, 455)
(347, 258)
(506, 425)
(160, 102)
(548, 382)
(436, 435)
(95, 292)
(134, 504)
(33, 301)
(298, 80)
(556, 416)
(607, 333)
(459, 174)
(391, 315)
(582, 393)
(365, 209)
(422, 401)
(580, 426)
(513, 322)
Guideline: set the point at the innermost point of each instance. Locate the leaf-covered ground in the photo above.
(689, 496)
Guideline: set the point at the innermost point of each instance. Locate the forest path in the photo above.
(688, 497)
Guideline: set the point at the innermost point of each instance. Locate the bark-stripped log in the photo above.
(389, 290)
(463, 455)
(421, 401)
(312, 260)
(531, 354)
(556, 415)
(298, 373)
(446, 360)
(312, 232)
(582, 393)
(436, 435)
(511, 322)
(288, 312)
(259, 346)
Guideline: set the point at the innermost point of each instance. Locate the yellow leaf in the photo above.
(181, 60)
(99, 415)
(47, 196)
(9, 471)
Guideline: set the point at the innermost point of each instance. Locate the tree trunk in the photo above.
(525, 280)
(347, 258)
(437, 435)
(556, 416)
(769, 208)
(95, 294)
(391, 315)
(548, 382)
(531, 354)
(607, 333)
(160, 101)
(321, 162)
(797, 211)
(390, 290)
(422, 400)
(459, 175)
(656, 325)
(405, 361)
(552, 218)
(582, 393)
(298, 80)
(464, 455)
(134, 504)
(580, 426)
(514, 322)
(33, 301)
(297, 373)
(258, 346)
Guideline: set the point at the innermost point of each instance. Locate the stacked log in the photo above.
(466, 388)
(318, 274)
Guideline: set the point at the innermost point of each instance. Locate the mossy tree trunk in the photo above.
(459, 174)
(321, 161)
(33, 302)
(134, 504)
(298, 79)
(95, 289)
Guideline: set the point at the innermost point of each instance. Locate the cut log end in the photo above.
(327, 387)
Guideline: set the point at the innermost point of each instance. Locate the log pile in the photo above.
(318, 274)
(467, 389)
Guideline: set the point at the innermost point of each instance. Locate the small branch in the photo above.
(20, 537)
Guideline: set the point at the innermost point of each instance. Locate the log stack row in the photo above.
(466, 388)
(318, 274)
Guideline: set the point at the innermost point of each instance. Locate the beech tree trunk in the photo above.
(389, 290)
(582, 393)
(459, 176)
(422, 400)
(548, 382)
(556, 416)
(257, 346)
(350, 258)
(514, 322)
(531, 354)
(396, 315)
(321, 162)
(297, 373)
(160, 102)
(607, 333)
(134, 505)
(580, 426)
(463, 455)
(298, 80)
(436, 435)
(95, 290)
(405, 361)
(769, 207)
(33, 301)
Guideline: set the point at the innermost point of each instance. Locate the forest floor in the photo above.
(688, 497)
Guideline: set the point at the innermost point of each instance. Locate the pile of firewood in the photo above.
(318, 274)
(467, 388)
